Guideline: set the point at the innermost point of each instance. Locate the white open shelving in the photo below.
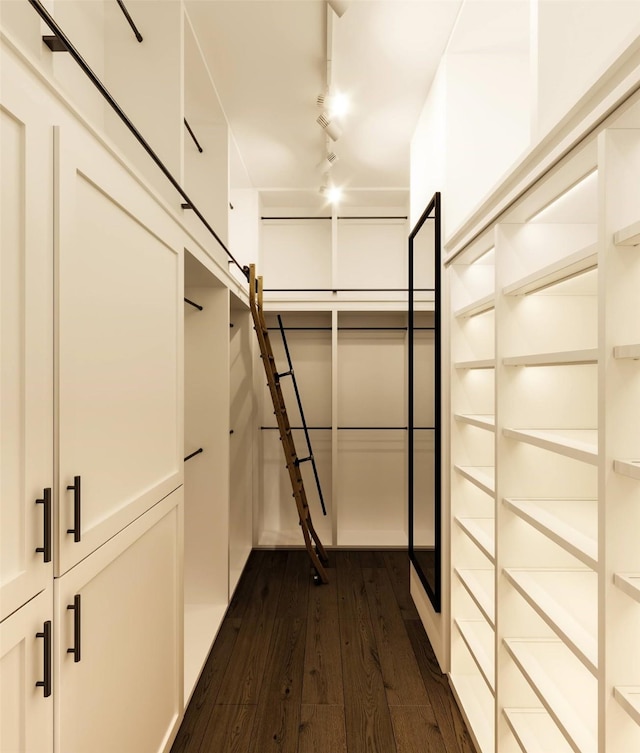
(570, 523)
(581, 261)
(629, 698)
(628, 236)
(561, 358)
(482, 532)
(473, 696)
(481, 476)
(567, 601)
(631, 351)
(479, 306)
(478, 363)
(563, 686)
(579, 444)
(629, 583)
(479, 638)
(629, 468)
(479, 420)
(480, 585)
(535, 731)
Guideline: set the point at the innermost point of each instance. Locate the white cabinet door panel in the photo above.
(26, 712)
(119, 344)
(26, 342)
(122, 689)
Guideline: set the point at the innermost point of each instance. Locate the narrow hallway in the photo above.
(340, 668)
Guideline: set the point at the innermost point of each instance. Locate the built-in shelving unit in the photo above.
(545, 459)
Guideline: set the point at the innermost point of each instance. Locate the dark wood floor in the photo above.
(339, 668)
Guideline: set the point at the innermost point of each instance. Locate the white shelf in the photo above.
(579, 444)
(629, 698)
(627, 351)
(479, 363)
(629, 468)
(482, 532)
(482, 476)
(562, 687)
(479, 306)
(480, 585)
(479, 639)
(201, 625)
(559, 597)
(535, 731)
(629, 583)
(550, 518)
(476, 704)
(570, 266)
(480, 420)
(561, 358)
(628, 236)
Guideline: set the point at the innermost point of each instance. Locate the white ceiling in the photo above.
(268, 59)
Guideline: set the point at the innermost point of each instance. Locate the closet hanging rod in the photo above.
(350, 329)
(346, 290)
(195, 140)
(352, 428)
(193, 454)
(65, 44)
(339, 217)
(134, 28)
(195, 305)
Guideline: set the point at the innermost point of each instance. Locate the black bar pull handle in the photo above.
(77, 499)
(46, 683)
(76, 628)
(45, 549)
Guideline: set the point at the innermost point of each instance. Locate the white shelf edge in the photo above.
(577, 638)
(474, 530)
(560, 358)
(579, 545)
(631, 351)
(479, 363)
(581, 261)
(535, 731)
(201, 625)
(628, 696)
(482, 598)
(471, 633)
(477, 714)
(476, 475)
(628, 236)
(480, 420)
(479, 306)
(629, 468)
(551, 697)
(579, 444)
(629, 583)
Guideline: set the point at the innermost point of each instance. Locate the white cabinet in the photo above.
(118, 390)
(118, 670)
(26, 701)
(26, 377)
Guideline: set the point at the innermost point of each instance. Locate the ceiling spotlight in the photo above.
(336, 105)
(329, 161)
(332, 129)
(332, 193)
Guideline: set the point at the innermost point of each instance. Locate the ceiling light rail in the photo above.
(64, 43)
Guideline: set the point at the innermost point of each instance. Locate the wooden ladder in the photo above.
(312, 541)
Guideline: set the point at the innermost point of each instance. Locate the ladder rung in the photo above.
(285, 373)
(304, 460)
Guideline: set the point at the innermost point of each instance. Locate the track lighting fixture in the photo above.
(329, 161)
(338, 6)
(332, 193)
(331, 128)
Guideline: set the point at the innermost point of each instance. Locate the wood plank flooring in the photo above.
(340, 668)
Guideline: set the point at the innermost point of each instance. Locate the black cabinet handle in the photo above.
(46, 683)
(76, 628)
(76, 508)
(46, 501)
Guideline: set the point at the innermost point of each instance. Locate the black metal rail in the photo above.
(347, 290)
(195, 140)
(127, 15)
(64, 43)
(195, 305)
(291, 373)
(193, 454)
(339, 217)
(352, 428)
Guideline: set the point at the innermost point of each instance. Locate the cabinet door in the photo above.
(118, 342)
(26, 702)
(119, 640)
(26, 341)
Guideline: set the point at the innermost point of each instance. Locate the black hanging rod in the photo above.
(195, 305)
(134, 28)
(351, 428)
(346, 290)
(193, 454)
(195, 140)
(324, 217)
(349, 329)
(68, 46)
